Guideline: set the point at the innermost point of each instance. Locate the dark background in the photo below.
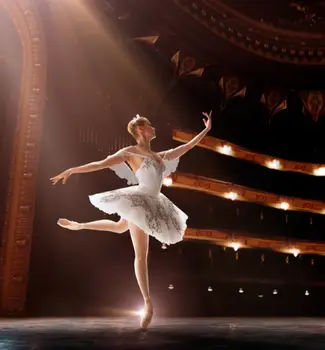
(99, 77)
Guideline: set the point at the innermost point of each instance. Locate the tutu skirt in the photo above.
(155, 214)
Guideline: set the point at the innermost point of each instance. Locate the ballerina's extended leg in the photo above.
(99, 225)
(140, 242)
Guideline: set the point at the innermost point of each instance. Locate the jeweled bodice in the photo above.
(150, 174)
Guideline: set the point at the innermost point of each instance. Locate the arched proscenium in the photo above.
(20, 203)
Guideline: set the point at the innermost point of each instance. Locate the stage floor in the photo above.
(164, 333)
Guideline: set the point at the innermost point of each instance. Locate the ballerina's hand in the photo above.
(64, 175)
(207, 123)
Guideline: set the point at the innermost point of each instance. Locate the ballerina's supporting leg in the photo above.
(140, 241)
(99, 225)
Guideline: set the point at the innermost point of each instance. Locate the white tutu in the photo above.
(143, 204)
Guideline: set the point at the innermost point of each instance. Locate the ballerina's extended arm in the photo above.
(180, 150)
(113, 159)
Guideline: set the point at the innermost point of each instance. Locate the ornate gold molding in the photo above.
(262, 39)
(232, 150)
(241, 240)
(234, 192)
(20, 206)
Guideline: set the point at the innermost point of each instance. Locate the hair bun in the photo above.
(136, 118)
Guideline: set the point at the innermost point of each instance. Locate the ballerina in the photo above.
(142, 208)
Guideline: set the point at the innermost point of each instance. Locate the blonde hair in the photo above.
(137, 121)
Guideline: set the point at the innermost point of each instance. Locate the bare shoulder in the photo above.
(130, 148)
(124, 154)
(163, 154)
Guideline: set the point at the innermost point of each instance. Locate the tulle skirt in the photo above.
(155, 214)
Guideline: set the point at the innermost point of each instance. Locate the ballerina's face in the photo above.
(147, 131)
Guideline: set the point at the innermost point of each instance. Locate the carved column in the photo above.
(20, 206)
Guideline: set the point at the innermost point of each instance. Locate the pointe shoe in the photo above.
(147, 316)
(71, 225)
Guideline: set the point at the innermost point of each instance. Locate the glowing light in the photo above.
(210, 289)
(231, 195)
(260, 295)
(171, 286)
(319, 171)
(295, 252)
(141, 312)
(284, 205)
(307, 293)
(275, 291)
(164, 246)
(273, 164)
(167, 181)
(225, 149)
(235, 245)
(241, 290)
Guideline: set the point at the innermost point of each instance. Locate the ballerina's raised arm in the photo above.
(182, 149)
(112, 159)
